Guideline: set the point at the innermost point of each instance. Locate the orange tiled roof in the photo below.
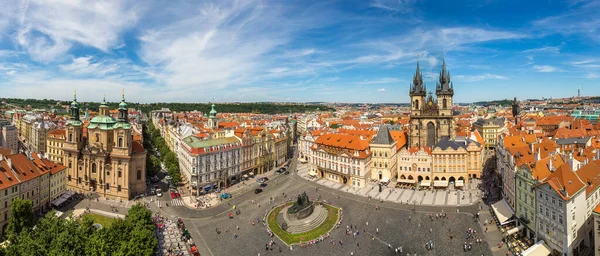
(564, 179)
(344, 142)
(400, 138)
(57, 134)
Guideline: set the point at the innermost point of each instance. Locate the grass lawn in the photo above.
(302, 237)
(101, 219)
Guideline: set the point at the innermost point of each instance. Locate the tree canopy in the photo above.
(56, 236)
(153, 140)
(256, 107)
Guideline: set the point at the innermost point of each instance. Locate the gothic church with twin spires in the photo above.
(431, 118)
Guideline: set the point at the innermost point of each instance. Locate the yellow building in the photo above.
(54, 145)
(490, 129)
(383, 158)
(454, 162)
(109, 162)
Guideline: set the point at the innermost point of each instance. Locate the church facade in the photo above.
(431, 119)
(105, 160)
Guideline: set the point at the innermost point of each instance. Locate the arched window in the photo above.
(444, 104)
(416, 104)
(70, 137)
(139, 174)
(120, 144)
(93, 167)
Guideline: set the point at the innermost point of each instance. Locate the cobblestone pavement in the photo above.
(398, 226)
(450, 197)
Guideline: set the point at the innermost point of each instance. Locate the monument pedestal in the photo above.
(314, 218)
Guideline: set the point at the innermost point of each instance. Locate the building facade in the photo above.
(9, 136)
(213, 163)
(106, 161)
(342, 158)
(490, 129)
(54, 145)
(414, 165)
(384, 163)
(431, 119)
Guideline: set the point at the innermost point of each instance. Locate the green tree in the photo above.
(21, 212)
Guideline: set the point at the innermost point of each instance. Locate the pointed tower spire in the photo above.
(74, 94)
(122, 94)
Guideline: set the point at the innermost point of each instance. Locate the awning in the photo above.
(59, 201)
(515, 230)
(245, 176)
(385, 180)
(440, 183)
(502, 211)
(425, 183)
(208, 187)
(251, 174)
(538, 249)
(459, 183)
(312, 173)
(407, 181)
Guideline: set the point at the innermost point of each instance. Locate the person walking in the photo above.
(377, 231)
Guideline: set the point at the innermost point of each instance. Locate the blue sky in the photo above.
(335, 51)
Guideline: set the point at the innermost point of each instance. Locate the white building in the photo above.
(210, 163)
(9, 136)
(342, 158)
(565, 202)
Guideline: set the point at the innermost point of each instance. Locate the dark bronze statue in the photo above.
(300, 204)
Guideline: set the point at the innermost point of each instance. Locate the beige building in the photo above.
(9, 190)
(414, 165)
(383, 155)
(454, 162)
(342, 158)
(9, 136)
(109, 162)
(54, 145)
(490, 129)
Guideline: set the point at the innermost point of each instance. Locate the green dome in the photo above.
(102, 122)
(122, 105)
(74, 104)
(213, 112)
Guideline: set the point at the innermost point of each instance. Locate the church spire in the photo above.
(444, 85)
(417, 87)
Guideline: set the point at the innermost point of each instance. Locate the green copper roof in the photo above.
(194, 142)
(74, 122)
(213, 112)
(102, 122)
(122, 105)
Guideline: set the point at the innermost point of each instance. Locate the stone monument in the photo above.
(302, 208)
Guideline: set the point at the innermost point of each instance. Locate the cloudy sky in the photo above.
(336, 51)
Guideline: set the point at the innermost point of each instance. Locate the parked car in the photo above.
(286, 172)
(262, 185)
(159, 192)
(279, 171)
(225, 195)
(258, 190)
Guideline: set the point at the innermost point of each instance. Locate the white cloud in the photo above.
(87, 65)
(48, 29)
(592, 76)
(278, 70)
(229, 47)
(582, 19)
(401, 6)
(381, 90)
(477, 78)
(545, 49)
(383, 80)
(11, 72)
(545, 68)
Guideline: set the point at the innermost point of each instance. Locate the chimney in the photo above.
(550, 166)
(9, 162)
(536, 155)
(531, 147)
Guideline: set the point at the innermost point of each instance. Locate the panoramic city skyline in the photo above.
(298, 52)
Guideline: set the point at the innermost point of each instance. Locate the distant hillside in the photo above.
(504, 102)
(258, 107)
